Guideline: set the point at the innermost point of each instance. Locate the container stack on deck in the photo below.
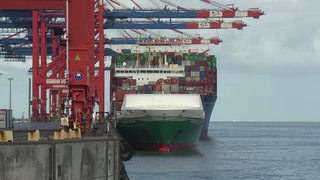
(200, 74)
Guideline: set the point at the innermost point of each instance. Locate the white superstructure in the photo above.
(144, 105)
(158, 48)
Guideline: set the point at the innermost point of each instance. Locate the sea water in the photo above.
(238, 150)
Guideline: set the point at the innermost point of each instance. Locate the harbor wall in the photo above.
(91, 158)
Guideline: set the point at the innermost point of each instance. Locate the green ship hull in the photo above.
(161, 133)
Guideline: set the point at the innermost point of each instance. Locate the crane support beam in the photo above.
(214, 13)
(15, 13)
(15, 41)
(33, 4)
(166, 41)
(27, 51)
(237, 24)
(153, 13)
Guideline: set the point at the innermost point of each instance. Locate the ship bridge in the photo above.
(144, 75)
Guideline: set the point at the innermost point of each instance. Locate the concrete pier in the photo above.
(88, 158)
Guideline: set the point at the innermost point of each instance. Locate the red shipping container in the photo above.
(205, 67)
(174, 81)
(133, 82)
(167, 81)
(179, 57)
(118, 105)
(214, 70)
(132, 92)
(159, 81)
(156, 87)
(119, 81)
(211, 72)
(125, 81)
(120, 95)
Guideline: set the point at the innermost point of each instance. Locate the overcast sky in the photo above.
(269, 71)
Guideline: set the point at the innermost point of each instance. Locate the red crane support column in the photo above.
(99, 81)
(43, 74)
(81, 47)
(35, 65)
(53, 108)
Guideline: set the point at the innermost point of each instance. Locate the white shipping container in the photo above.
(195, 73)
(174, 87)
(2, 121)
(6, 119)
(166, 88)
(186, 63)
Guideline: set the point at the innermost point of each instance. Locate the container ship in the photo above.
(163, 93)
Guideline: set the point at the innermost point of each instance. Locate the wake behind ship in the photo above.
(164, 94)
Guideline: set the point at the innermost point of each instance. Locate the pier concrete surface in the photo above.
(88, 158)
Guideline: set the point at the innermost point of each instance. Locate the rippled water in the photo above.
(239, 151)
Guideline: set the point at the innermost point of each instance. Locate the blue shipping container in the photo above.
(187, 68)
(148, 89)
(179, 62)
(126, 50)
(201, 75)
(182, 79)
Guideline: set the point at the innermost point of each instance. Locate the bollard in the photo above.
(6, 136)
(34, 135)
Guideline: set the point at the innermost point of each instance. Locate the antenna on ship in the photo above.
(137, 60)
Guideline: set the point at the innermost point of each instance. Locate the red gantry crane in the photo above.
(72, 33)
(72, 70)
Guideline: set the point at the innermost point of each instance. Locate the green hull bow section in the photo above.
(154, 133)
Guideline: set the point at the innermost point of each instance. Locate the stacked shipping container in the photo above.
(199, 70)
(6, 119)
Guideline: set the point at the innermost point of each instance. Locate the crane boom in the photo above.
(163, 40)
(236, 24)
(205, 13)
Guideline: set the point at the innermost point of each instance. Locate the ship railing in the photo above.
(147, 70)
